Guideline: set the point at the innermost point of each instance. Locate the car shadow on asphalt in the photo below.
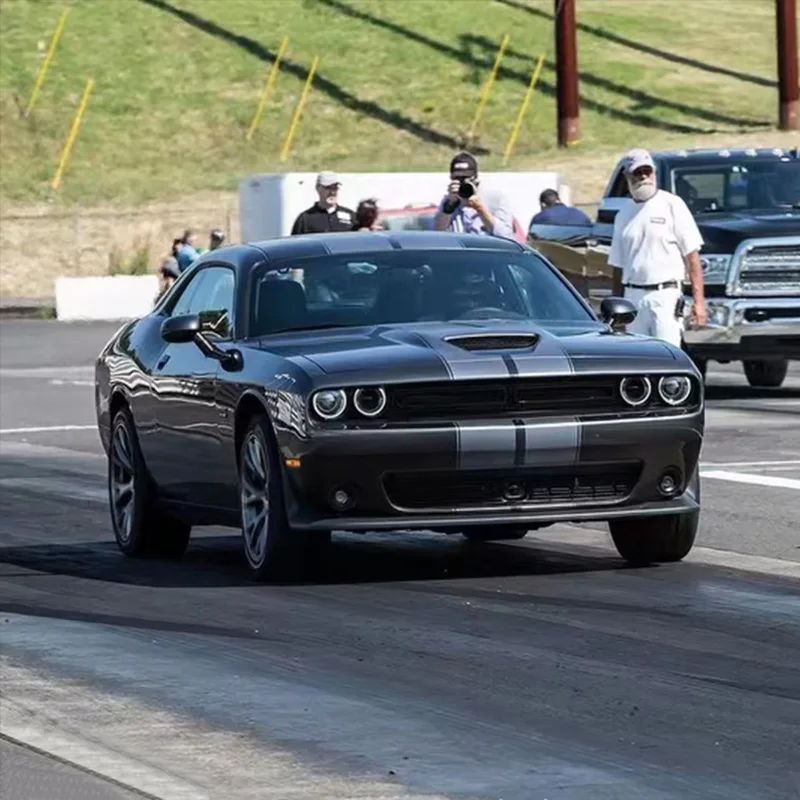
(217, 561)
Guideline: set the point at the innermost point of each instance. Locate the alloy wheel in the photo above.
(123, 489)
(255, 499)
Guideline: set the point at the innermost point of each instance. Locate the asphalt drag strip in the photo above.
(414, 666)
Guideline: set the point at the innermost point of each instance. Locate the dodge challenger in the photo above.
(393, 381)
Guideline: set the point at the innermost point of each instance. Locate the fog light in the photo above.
(669, 483)
(514, 491)
(341, 499)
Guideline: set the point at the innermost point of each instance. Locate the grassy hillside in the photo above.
(177, 82)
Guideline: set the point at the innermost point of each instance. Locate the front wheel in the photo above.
(271, 548)
(766, 374)
(647, 540)
(141, 528)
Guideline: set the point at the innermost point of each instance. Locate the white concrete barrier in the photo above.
(117, 297)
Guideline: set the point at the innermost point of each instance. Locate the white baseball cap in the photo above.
(636, 158)
(328, 179)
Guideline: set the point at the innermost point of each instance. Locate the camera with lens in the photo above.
(467, 187)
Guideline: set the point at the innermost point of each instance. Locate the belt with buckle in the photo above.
(652, 287)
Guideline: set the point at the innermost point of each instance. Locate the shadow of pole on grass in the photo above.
(673, 58)
(328, 87)
(549, 89)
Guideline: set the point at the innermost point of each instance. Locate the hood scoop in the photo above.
(494, 341)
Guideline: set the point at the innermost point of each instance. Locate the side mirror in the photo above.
(179, 330)
(617, 311)
(188, 328)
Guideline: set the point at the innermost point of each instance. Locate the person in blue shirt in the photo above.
(554, 212)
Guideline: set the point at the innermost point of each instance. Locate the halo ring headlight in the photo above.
(370, 402)
(674, 389)
(635, 391)
(329, 403)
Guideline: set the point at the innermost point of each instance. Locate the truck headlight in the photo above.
(715, 268)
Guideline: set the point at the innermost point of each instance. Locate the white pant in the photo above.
(656, 315)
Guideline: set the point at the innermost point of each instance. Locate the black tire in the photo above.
(144, 530)
(652, 540)
(284, 553)
(766, 374)
(494, 533)
(702, 365)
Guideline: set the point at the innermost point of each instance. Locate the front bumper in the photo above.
(741, 328)
(570, 471)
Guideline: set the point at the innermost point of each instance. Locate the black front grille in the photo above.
(494, 342)
(521, 396)
(583, 485)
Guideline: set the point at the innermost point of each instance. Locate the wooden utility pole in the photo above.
(786, 19)
(567, 74)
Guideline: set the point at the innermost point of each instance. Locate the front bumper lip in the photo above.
(687, 503)
(735, 326)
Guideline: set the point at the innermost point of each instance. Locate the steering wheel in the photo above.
(487, 312)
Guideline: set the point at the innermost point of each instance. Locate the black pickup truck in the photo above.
(747, 207)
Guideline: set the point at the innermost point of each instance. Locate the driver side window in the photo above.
(210, 295)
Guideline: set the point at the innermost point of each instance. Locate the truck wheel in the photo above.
(649, 540)
(766, 374)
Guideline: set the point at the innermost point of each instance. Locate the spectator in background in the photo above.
(554, 212)
(326, 215)
(367, 216)
(463, 209)
(188, 251)
(216, 239)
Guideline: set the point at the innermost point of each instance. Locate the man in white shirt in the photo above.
(655, 240)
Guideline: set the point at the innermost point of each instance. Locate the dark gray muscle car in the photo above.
(393, 381)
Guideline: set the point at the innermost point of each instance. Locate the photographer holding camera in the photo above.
(464, 211)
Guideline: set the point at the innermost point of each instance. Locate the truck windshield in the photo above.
(737, 186)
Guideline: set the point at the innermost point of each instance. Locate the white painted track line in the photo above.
(773, 481)
(724, 464)
(48, 428)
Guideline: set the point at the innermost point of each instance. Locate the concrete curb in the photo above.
(28, 308)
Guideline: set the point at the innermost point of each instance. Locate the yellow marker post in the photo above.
(295, 119)
(268, 86)
(512, 139)
(487, 86)
(48, 58)
(73, 133)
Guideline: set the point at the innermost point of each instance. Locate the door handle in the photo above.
(163, 362)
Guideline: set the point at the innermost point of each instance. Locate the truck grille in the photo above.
(447, 490)
(772, 268)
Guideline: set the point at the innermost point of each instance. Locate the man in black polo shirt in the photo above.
(326, 215)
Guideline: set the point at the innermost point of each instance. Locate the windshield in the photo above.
(737, 185)
(409, 286)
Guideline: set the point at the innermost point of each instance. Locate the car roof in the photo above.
(362, 243)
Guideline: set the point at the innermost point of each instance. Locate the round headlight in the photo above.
(369, 402)
(674, 389)
(635, 391)
(329, 403)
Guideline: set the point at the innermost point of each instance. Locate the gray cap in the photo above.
(636, 158)
(328, 179)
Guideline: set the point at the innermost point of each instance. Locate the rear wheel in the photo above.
(494, 533)
(141, 528)
(766, 374)
(271, 548)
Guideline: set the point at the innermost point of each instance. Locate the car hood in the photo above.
(722, 233)
(436, 351)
